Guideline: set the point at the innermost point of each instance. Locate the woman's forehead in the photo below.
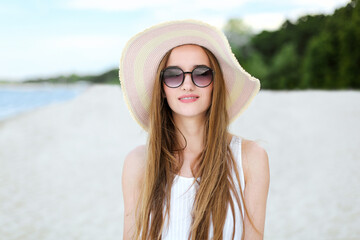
(188, 56)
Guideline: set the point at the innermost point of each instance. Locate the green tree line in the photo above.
(316, 51)
(109, 77)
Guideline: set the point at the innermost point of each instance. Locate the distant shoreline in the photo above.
(44, 84)
(19, 99)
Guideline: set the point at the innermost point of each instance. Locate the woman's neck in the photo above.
(193, 131)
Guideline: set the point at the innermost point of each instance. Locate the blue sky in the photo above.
(46, 38)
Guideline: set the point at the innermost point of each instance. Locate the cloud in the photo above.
(323, 4)
(55, 55)
(170, 5)
(214, 19)
(215, 5)
(113, 5)
(273, 20)
(264, 21)
(305, 7)
(84, 41)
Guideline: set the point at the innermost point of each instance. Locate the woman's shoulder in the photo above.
(138, 153)
(134, 163)
(255, 160)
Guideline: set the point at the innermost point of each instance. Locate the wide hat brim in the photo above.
(143, 52)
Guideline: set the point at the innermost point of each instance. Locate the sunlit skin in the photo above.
(189, 117)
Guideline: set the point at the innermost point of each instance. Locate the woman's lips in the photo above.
(188, 98)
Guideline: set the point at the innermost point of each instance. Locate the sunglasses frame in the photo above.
(192, 78)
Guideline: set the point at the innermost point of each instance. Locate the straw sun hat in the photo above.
(143, 53)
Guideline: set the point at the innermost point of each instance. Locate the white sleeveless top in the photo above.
(182, 199)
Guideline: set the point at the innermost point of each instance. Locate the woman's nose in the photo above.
(188, 83)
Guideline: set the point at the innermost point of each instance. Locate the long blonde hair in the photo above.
(213, 165)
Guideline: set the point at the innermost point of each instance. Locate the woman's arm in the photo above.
(257, 178)
(132, 175)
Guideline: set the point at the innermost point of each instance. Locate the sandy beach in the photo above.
(60, 165)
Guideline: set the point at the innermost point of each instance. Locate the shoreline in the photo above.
(77, 89)
(46, 85)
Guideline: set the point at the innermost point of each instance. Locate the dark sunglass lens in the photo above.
(173, 77)
(202, 76)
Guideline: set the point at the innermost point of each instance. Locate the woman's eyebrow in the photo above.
(193, 67)
(201, 65)
(173, 66)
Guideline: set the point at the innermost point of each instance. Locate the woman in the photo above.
(193, 179)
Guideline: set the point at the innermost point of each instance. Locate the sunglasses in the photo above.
(174, 77)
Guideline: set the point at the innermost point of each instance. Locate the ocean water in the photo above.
(20, 99)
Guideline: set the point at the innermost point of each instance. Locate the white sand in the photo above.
(60, 166)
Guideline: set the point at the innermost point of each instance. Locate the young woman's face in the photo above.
(188, 100)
